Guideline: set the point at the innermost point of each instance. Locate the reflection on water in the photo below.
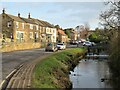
(88, 74)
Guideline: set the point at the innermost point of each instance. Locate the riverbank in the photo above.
(53, 71)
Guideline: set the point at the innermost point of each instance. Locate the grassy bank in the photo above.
(52, 72)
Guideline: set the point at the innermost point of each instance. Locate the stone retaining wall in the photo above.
(19, 46)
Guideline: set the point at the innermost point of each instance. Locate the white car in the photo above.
(61, 46)
(87, 43)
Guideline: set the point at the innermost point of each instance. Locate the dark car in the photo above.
(51, 47)
(74, 42)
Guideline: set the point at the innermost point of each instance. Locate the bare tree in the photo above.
(111, 21)
(87, 26)
(110, 18)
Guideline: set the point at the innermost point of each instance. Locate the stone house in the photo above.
(49, 32)
(19, 29)
(61, 36)
(74, 35)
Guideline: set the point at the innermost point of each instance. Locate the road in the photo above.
(11, 60)
(28, 58)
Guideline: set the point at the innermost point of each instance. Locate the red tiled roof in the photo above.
(61, 32)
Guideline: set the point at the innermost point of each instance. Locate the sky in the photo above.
(65, 14)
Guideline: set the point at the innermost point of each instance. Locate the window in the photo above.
(31, 35)
(17, 24)
(53, 37)
(37, 27)
(23, 25)
(47, 30)
(36, 35)
(40, 28)
(9, 24)
(20, 35)
(31, 26)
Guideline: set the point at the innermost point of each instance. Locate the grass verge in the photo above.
(53, 71)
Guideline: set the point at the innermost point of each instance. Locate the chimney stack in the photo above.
(18, 14)
(29, 16)
(3, 10)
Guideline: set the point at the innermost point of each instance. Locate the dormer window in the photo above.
(31, 26)
(9, 24)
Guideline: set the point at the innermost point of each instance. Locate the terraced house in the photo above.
(19, 29)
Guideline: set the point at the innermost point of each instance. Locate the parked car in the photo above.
(93, 43)
(51, 47)
(83, 40)
(87, 43)
(61, 46)
(74, 42)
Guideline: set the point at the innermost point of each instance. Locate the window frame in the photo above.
(31, 26)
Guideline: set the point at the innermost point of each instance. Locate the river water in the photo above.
(88, 74)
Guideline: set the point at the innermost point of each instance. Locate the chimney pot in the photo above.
(18, 14)
(3, 10)
(29, 16)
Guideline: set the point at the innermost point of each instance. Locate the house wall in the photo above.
(5, 29)
(54, 35)
(50, 34)
(73, 36)
(64, 39)
(26, 32)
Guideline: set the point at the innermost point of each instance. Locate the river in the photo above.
(88, 74)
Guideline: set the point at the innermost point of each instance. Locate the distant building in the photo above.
(61, 37)
(73, 35)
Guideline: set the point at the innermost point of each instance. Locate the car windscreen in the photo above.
(49, 44)
(60, 44)
(87, 42)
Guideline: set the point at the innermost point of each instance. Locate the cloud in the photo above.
(80, 5)
(52, 11)
(64, 13)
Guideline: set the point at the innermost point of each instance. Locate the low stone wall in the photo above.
(19, 46)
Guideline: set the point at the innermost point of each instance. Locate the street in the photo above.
(11, 60)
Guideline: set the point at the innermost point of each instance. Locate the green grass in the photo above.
(47, 72)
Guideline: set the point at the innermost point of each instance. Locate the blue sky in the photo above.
(66, 14)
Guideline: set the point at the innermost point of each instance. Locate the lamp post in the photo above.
(78, 34)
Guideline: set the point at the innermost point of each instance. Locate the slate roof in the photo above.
(46, 24)
(31, 21)
(38, 22)
(28, 21)
(15, 18)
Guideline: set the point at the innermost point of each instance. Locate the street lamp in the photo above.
(78, 32)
